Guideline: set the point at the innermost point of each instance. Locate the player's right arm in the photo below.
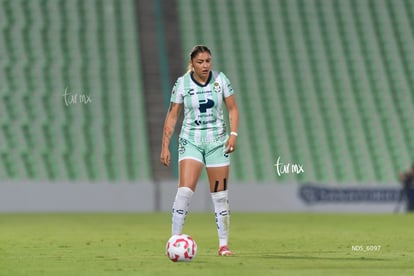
(169, 126)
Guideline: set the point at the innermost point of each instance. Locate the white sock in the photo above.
(222, 212)
(180, 209)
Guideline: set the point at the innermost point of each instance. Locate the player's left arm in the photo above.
(231, 105)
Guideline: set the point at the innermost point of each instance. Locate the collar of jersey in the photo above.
(199, 84)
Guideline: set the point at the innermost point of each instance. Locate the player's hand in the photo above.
(165, 157)
(231, 144)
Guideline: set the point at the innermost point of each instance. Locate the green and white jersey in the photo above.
(203, 110)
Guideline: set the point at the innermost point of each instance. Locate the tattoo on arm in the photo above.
(167, 135)
(170, 122)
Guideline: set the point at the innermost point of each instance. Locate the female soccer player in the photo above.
(203, 140)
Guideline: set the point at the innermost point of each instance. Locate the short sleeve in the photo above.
(176, 93)
(227, 88)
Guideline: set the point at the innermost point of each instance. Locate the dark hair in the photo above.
(199, 49)
(196, 50)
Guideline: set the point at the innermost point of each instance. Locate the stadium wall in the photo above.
(151, 197)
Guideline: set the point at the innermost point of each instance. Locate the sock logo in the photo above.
(179, 211)
(222, 220)
(224, 213)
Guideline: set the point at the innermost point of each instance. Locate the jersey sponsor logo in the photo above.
(205, 104)
(199, 122)
(191, 92)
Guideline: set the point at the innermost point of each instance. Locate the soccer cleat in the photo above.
(225, 251)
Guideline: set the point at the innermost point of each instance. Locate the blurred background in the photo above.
(326, 85)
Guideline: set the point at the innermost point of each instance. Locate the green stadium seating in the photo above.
(86, 48)
(327, 84)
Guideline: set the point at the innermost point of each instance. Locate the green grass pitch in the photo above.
(264, 244)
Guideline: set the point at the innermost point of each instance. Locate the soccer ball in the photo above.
(181, 248)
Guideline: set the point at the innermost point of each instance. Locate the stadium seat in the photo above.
(84, 48)
(326, 84)
(323, 83)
